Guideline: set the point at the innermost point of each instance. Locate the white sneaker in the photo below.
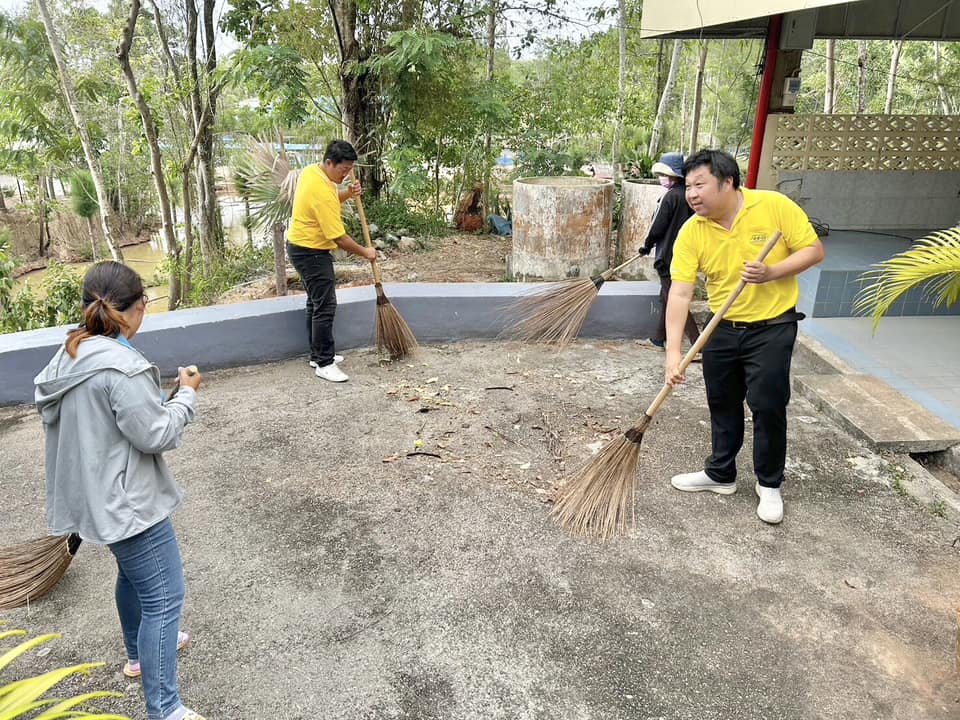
(699, 481)
(770, 507)
(337, 359)
(332, 373)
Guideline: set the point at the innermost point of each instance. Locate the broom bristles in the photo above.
(393, 335)
(554, 314)
(29, 570)
(598, 497)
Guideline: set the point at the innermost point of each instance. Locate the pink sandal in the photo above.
(132, 669)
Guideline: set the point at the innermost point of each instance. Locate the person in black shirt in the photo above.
(672, 213)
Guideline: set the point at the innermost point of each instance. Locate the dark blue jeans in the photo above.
(149, 598)
(751, 364)
(315, 268)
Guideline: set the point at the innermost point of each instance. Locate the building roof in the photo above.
(863, 19)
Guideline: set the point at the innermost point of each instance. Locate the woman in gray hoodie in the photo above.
(107, 423)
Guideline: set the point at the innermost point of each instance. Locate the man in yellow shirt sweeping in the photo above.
(748, 355)
(315, 229)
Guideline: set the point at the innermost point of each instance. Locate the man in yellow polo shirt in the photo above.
(315, 229)
(748, 355)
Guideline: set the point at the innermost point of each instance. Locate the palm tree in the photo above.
(270, 183)
(933, 262)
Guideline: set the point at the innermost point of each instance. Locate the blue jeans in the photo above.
(149, 598)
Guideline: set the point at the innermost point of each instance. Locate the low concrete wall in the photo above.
(268, 330)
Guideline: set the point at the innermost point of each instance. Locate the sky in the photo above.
(575, 9)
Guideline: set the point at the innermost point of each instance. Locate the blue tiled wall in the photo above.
(837, 289)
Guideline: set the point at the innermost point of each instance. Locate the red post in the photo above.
(763, 101)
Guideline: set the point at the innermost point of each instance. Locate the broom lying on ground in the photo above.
(594, 499)
(30, 569)
(556, 313)
(392, 332)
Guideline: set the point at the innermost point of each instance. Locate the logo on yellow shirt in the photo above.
(758, 239)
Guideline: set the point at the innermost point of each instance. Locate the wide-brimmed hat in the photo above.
(670, 164)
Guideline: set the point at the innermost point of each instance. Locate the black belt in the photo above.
(789, 316)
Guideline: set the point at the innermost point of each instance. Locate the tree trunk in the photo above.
(665, 100)
(829, 99)
(187, 237)
(204, 113)
(718, 83)
(247, 223)
(487, 137)
(946, 104)
(862, 74)
(44, 241)
(156, 162)
(661, 70)
(892, 77)
(51, 189)
(93, 238)
(20, 190)
(621, 91)
(279, 261)
(698, 97)
(3, 201)
(359, 88)
(90, 153)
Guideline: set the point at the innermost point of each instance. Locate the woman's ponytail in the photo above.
(109, 288)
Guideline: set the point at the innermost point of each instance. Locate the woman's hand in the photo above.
(190, 377)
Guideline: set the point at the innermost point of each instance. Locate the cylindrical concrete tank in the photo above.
(561, 226)
(638, 203)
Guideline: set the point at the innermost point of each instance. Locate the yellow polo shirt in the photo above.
(316, 220)
(706, 246)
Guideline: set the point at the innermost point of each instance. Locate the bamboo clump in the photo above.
(30, 569)
(555, 314)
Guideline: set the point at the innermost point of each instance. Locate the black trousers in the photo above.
(315, 268)
(751, 364)
(690, 329)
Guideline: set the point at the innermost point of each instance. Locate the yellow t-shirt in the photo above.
(706, 246)
(316, 220)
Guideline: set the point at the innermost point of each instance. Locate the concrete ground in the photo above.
(334, 574)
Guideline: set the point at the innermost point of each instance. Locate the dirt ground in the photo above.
(383, 549)
(458, 257)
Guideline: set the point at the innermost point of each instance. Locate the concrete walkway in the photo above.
(336, 571)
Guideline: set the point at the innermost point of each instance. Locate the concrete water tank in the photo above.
(638, 203)
(561, 226)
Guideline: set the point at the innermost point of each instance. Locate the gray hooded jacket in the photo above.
(106, 425)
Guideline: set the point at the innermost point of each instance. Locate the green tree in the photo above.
(83, 201)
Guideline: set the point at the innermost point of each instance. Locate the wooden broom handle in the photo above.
(708, 330)
(607, 274)
(366, 231)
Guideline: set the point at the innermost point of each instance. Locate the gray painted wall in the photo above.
(870, 200)
(274, 329)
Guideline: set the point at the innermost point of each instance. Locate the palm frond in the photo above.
(270, 183)
(933, 263)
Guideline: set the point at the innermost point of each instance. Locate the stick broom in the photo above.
(556, 313)
(594, 500)
(393, 335)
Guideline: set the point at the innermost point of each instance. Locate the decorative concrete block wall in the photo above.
(867, 171)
